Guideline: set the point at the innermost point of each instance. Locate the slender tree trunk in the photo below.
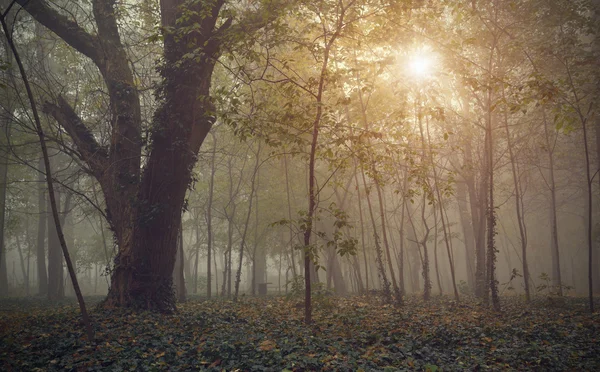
(491, 213)
(4, 154)
(3, 183)
(556, 272)
(247, 223)
(49, 180)
(425, 258)
(289, 208)
(22, 261)
(385, 284)
(435, 253)
(362, 226)
(312, 192)
(55, 265)
(41, 233)
(197, 258)
(209, 227)
(445, 226)
(226, 291)
(477, 201)
(518, 203)
(468, 236)
(401, 234)
(589, 180)
(397, 293)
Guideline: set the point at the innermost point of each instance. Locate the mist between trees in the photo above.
(228, 149)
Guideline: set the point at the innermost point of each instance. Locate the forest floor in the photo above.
(348, 334)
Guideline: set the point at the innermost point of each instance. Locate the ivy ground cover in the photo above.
(348, 334)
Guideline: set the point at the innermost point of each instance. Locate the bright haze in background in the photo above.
(421, 63)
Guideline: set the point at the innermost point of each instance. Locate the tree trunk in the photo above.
(146, 231)
(518, 204)
(362, 227)
(178, 277)
(385, 284)
(491, 212)
(209, 226)
(435, 253)
(41, 233)
(478, 211)
(49, 181)
(197, 258)
(247, 223)
(4, 153)
(289, 208)
(55, 264)
(468, 236)
(555, 252)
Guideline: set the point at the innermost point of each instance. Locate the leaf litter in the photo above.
(348, 334)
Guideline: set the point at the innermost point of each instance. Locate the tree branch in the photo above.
(94, 154)
(62, 26)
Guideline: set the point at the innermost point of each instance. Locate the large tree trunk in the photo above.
(144, 208)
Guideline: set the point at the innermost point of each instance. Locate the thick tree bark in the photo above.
(144, 208)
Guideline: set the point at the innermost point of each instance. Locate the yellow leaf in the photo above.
(267, 345)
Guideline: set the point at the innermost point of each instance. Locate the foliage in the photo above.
(551, 289)
(354, 334)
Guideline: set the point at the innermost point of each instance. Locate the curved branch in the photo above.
(62, 26)
(94, 154)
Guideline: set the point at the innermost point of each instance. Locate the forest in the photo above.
(299, 185)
